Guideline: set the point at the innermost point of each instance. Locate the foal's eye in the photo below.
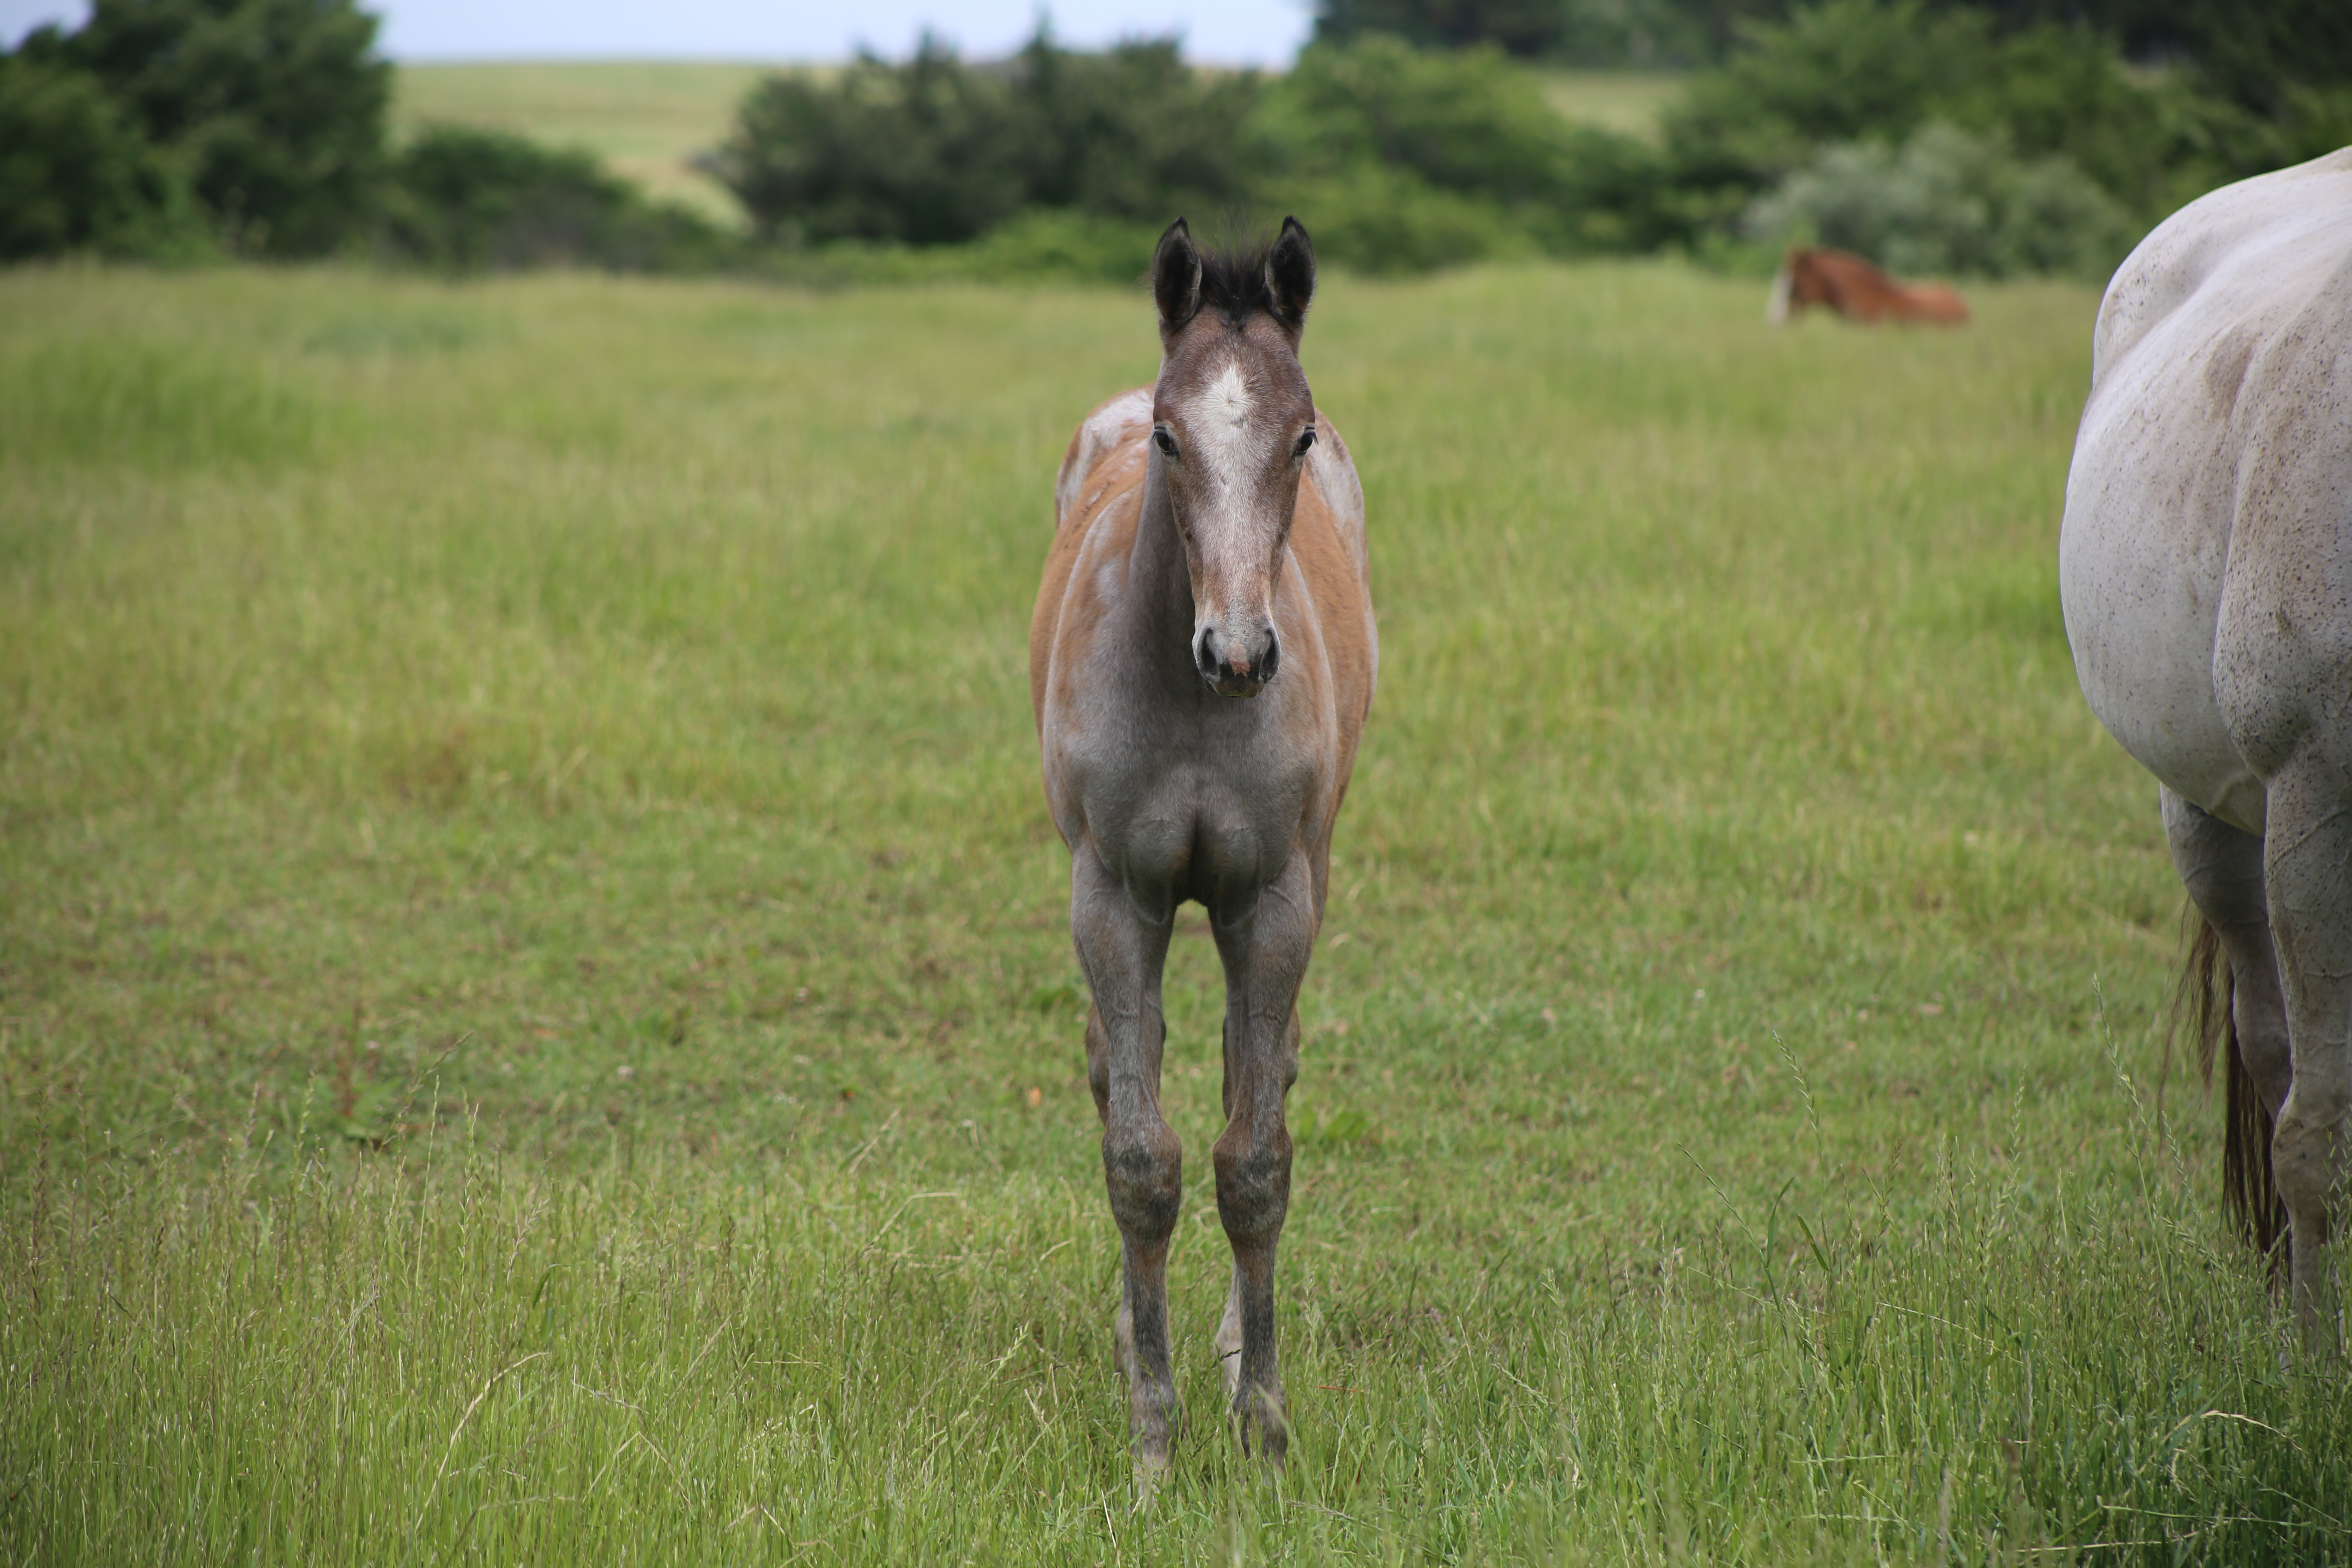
(1305, 439)
(1163, 440)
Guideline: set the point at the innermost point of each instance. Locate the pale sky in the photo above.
(1221, 32)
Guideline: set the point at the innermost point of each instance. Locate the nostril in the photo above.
(1204, 651)
(1273, 659)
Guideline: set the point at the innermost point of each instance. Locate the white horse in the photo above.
(2205, 564)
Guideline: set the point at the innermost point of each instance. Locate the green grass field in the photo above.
(537, 1023)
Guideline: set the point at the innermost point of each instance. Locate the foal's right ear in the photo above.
(1290, 277)
(1176, 278)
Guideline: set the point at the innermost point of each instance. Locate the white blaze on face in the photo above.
(1220, 423)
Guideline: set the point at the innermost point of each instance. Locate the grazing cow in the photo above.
(1200, 664)
(2205, 564)
(1857, 290)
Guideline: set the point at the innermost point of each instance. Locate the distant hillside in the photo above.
(647, 119)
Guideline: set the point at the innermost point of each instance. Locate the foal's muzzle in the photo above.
(1234, 668)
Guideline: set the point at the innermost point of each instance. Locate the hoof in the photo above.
(1259, 1414)
(1149, 1472)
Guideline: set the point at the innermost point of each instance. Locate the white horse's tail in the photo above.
(2207, 1001)
(1776, 309)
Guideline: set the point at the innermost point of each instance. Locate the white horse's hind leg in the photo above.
(2308, 869)
(2221, 868)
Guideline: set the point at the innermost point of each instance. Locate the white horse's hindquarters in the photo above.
(2141, 594)
(2226, 258)
(2282, 647)
(2171, 568)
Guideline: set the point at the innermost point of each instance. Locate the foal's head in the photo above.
(1231, 423)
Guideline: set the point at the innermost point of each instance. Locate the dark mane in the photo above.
(1233, 278)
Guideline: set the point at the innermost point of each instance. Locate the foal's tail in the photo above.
(1776, 308)
(2208, 990)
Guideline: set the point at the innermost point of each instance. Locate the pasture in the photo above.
(537, 1022)
(647, 119)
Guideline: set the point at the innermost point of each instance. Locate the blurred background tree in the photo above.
(1991, 137)
(935, 151)
(272, 109)
(76, 175)
(464, 200)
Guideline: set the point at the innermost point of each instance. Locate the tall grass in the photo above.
(536, 1022)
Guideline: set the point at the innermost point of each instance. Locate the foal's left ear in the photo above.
(1176, 278)
(1290, 276)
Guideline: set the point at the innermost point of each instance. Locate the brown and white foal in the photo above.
(1201, 663)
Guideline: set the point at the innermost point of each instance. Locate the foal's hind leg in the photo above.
(1265, 948)
(1123, 951)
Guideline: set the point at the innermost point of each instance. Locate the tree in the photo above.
(275, 109)
(1522, 27)
(1849, 70)
(464, 200)
(924, 153)
(936, 151)
(76, 175)
(2257, 53)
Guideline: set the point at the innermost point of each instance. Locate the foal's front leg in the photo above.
(1265, 948)
(1123, 949)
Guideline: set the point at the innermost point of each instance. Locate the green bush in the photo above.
(274, 109)
(1379, 219)
(1946, 202)
(1132, 132)
(77, 176)
(1397, 159)
(936, 151)
(1650, 33)
(926, 152)
(1529, 28)
(468, 200)
(1849, 69)
(1042, 246)
(1400, 159)
(1468, 121)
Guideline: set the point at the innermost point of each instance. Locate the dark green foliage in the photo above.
(1849, 70)
(1652, 34)
(1946, 203)
(1525, 27)
(1468, 122)
(1454, 155)
(469, 200)
(75, 176)
(934, 151)
(274, 107)
(1586, 32)
(2255, 54)
(927, 152)
(1398, 159)
(1132, 132)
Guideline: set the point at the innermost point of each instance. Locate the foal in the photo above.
(1201, 663)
